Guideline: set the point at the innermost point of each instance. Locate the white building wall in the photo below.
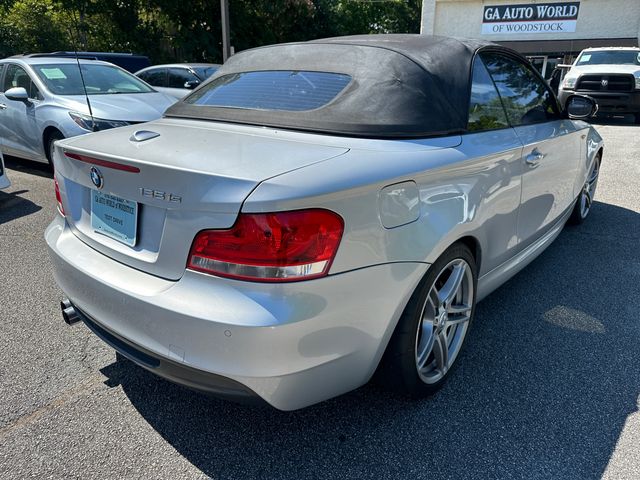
(596, 19)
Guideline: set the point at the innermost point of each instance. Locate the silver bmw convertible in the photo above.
(319, 212)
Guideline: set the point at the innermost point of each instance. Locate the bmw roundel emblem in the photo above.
(96, 177)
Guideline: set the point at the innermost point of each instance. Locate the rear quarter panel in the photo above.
(469, 189)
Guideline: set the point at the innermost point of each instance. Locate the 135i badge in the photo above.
(160, 195)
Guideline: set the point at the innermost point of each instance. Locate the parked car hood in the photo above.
(134, 107)
(605, 68)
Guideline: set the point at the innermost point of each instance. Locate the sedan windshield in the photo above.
(205, 72)
(609, 57)
(64, 79)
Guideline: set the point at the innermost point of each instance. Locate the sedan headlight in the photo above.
(569, 82)
(637, 83)
(95, 124)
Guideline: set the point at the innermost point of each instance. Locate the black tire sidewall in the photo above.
(401, 370)
(576, 217)
(52, 138)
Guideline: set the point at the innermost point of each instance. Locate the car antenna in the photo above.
(84, 86)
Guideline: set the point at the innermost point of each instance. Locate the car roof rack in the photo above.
(129, 61)
(83, 55)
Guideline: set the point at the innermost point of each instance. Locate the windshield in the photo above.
(271, 90)
(609, 57)
(64, 79)
(205, 72)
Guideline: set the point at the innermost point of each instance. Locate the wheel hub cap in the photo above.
(441, 320)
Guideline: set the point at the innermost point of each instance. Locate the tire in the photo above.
(637, 118)
(585, 199)
(53, 136)
(414, 363)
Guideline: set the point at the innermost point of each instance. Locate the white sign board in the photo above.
(530, 18)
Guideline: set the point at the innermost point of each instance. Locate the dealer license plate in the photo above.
(114, 217)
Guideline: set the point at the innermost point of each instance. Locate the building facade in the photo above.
(548, 32)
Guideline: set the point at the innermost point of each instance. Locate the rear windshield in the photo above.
(99, 79)
(286, 90)
(609, 57)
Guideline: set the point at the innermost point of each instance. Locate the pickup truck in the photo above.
(609, 75)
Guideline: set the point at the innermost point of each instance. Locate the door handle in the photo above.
(2, 106)
(534, 158)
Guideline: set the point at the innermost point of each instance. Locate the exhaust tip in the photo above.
(69, 314)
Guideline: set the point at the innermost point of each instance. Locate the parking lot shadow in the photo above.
(28, 166)
(550, 373)
(619, 120)
(13, 206)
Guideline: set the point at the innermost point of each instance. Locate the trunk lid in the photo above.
(192, 176)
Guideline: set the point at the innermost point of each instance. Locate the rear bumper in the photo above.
(173, 371)
(290, 344)
(609, 102)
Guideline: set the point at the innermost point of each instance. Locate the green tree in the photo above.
(32, 26)
(167, 30)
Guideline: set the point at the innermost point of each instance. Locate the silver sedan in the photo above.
(44, 99)
(319, 212)
(177, 79)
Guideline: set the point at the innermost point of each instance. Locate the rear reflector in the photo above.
(58, 197)
(102, 163)
(270, 247)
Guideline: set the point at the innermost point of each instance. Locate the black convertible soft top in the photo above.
(402, 86)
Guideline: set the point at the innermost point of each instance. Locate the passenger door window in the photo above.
(526, 98)
(178, 77)
(155, 78)
(17, 77)
(485, 109)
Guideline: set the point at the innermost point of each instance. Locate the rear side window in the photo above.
(292, 91)
(155, 78)
(485, 109)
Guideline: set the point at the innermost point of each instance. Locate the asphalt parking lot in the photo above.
(548, 386)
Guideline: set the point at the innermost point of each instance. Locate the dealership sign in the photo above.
(530, 18)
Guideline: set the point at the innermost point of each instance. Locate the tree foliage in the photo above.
(167, 30)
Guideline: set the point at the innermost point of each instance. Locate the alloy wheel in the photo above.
(589, 189)
(444, 321)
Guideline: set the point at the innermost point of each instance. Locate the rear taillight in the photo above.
(270, 247)
(58, 197)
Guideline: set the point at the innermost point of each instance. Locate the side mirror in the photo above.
(17, 93)
(580, 107)
(191, 84)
